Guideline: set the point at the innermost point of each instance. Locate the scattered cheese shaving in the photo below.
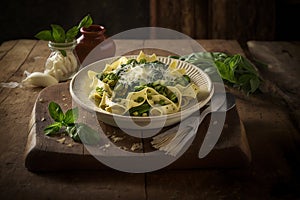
(136, 146)
(116, 138)
(62, 140)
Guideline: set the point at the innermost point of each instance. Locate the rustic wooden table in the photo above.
(273, 139)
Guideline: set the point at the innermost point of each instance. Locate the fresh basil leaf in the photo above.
(233, 63)
(254, 83)
(79, 132)
(225, 72)
(219, 56)
(71, 129)
(44, 35)
(63, 52)
(58, 33)
(56, 112)
(73, 133)
(76, 137)
(71, 116)
(244, 82)
(85, 22)
(71, 34)
(248, 66)
(235, 70)
(245, 78)
(52, 128)
(87, 134)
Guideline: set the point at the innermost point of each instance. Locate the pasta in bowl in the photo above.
(149, 90)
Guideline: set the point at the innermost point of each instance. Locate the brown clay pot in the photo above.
(93, 39)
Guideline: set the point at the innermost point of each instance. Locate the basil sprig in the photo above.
(59, 35)
(235, 70)
(79, 132)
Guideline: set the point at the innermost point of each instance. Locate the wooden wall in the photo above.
(187, 16)
(225, 19)
(203, 19)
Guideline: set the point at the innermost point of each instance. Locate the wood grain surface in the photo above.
(273, 140)
(44, 153)
(282, 60)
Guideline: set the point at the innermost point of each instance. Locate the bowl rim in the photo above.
(189, 110)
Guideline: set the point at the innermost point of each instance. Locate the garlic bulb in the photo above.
(61, 67)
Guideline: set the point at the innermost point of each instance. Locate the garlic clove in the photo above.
(39, 79)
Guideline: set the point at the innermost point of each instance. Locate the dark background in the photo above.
(24, 18)
(203, 19)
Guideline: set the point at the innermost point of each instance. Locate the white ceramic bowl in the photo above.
(80, 90)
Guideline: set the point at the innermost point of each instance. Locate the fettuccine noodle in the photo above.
(142, 87)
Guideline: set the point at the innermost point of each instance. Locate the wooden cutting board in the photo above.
(44, 153)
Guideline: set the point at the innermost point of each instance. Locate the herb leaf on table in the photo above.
(56, 112)
(79, 132)
(53, 128)
(235, 70)
(71, 116)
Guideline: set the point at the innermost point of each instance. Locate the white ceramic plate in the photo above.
(80, 90)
